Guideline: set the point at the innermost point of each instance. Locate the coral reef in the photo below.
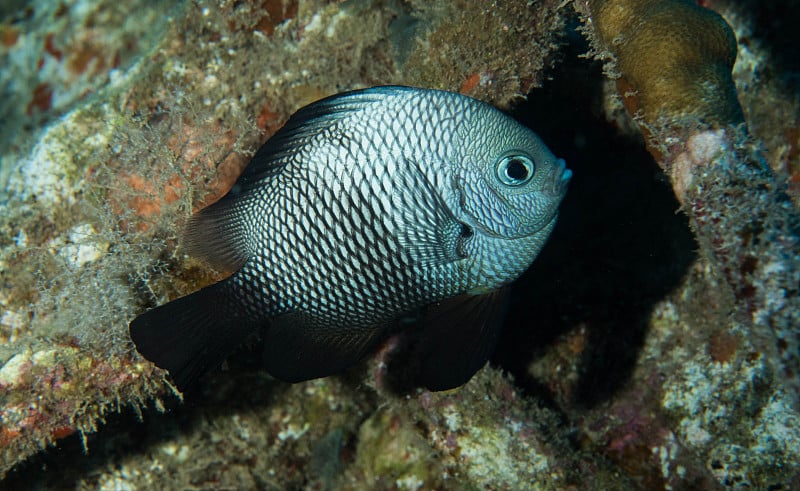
(92, 210)
(743, 220)
(649, 349)
(747, 231)
(674, 59)
(770, 102)
(55, 55)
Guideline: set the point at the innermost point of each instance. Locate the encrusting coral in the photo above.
(674, 59)
(743, 220)
(93, 210)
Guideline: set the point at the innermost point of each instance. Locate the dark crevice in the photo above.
(618, 248)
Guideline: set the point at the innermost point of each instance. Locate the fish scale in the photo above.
(365, 210)
(345, 221)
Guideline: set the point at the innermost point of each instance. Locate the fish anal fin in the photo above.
(456, 338)
(297, 348)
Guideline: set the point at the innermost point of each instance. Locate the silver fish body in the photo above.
(364, 209)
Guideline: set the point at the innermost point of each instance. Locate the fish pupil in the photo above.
(517, 170)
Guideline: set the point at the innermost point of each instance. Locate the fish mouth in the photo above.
(560, 180)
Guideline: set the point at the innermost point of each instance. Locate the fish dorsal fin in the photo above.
(429, 231)
(456, 338)
(218, 233)
(309, 121)
(297, 347)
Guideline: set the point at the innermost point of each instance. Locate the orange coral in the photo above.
(275, 12)
(8, 36)
(470, 83)
(41, 99)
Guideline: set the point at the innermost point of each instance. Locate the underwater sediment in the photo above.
(648, 349)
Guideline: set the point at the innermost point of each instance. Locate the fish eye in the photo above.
(515, 170)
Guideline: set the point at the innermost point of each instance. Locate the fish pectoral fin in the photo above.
(428, 231)
(457, 337)
(297, 348)
(193, 334)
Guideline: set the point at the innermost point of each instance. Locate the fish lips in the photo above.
(560, 180)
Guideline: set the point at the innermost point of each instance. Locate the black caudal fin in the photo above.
(457, 337)
(193, 334)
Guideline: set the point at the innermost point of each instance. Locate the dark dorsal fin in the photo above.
(309, 121)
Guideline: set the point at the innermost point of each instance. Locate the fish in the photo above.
(368, 211)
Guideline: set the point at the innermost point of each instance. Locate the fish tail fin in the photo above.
(193, 334)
